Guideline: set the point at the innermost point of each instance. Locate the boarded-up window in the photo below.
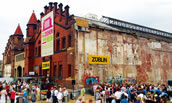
(20, 57)
(35, 67)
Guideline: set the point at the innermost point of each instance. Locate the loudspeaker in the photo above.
(73, 82)
(170, 82)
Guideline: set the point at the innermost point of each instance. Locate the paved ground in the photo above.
(87, 98)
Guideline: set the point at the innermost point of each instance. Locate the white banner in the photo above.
(47, 35)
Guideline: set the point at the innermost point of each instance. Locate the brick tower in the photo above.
(14, 46)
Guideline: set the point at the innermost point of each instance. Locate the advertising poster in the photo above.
(47, 35)
(46, 65)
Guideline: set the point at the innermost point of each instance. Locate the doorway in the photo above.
(19, 71)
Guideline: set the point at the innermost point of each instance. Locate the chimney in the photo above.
(60, 11)
(66, 14)
(45, 9)
(55, 6)
(42, 14)
(39, 25)
(38, 21)
(50, 6)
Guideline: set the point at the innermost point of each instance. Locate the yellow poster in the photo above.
(95, 59)
(46, 65)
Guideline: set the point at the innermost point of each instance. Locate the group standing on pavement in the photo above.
(18, 91)
(129, 93)
(57, 95)
(103, 93)
(27, 92)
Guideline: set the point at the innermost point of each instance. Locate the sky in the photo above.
(151, 13)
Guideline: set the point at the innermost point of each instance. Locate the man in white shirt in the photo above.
(60, 96)
(54, 93)
(14, 86)
(27, 86)
(142, 96)
(65, 92)
(118, 95)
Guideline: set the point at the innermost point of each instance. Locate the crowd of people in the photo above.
(30, 93)
(130, 93)
(21, 91)
(103, 93)
(57, 95)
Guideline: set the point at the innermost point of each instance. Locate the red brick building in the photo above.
(14, 46)
(134, 52)
(61, 66)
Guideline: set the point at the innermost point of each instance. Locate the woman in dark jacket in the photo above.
(48, 96)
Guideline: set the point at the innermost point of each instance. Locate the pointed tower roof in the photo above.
(33, 19)
(18, 30)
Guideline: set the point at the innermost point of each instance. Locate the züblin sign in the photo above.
(94, 59)
(46, 65)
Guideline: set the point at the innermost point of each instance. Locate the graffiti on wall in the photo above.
(91, 80)
(117, 79)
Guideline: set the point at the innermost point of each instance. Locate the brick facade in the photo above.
(63, 45)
